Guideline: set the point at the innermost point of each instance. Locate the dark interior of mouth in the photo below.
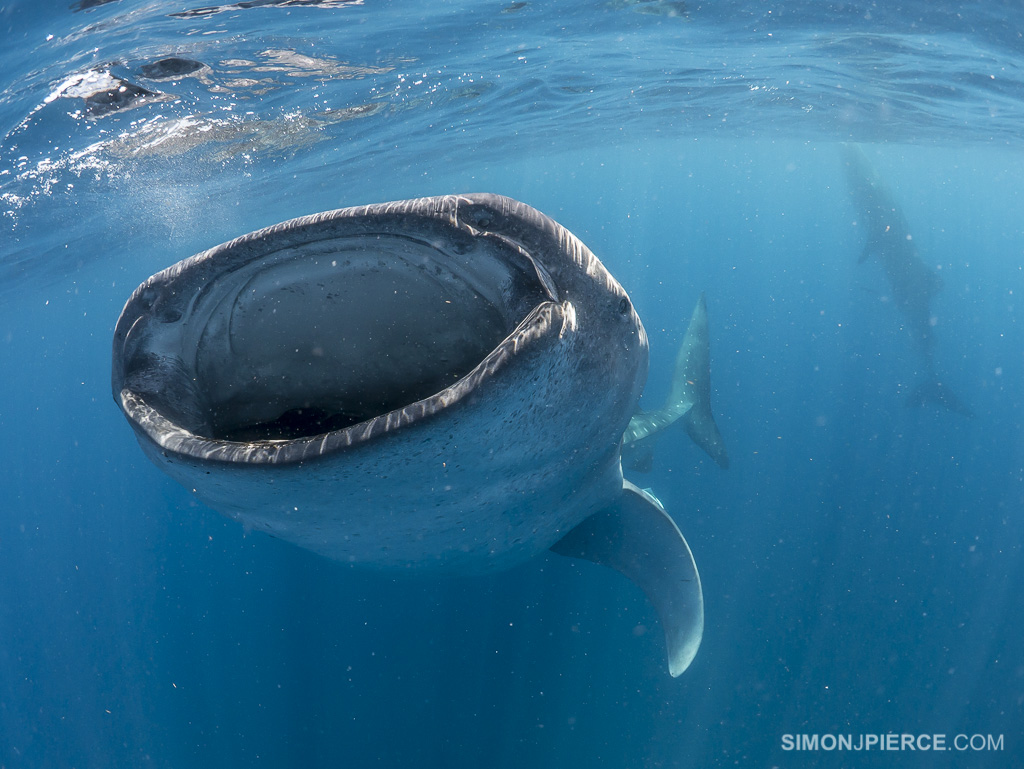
(300, 345)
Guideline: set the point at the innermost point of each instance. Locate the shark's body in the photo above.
(442, 382)
(913, 284)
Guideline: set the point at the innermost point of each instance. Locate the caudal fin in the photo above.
(689, 398)
(934, 392)
(692, 382)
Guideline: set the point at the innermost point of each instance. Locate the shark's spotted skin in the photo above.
(441, 382)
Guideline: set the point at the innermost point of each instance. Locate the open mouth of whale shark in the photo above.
(313, 344)
(323, 332)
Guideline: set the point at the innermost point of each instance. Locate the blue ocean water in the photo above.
(861, 559)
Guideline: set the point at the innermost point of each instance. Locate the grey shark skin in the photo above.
(912, 282)
(441, 382)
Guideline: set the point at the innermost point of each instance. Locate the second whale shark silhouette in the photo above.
(437, 383)
(912, 282)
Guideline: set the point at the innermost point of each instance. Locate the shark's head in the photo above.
(353, 322)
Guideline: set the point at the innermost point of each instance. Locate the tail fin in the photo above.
(692, 380)
(932, 391)
(690, 396)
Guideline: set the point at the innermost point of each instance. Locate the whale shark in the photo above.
(443, 383)
(912, 283)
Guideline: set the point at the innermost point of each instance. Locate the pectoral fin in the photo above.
(636, 537)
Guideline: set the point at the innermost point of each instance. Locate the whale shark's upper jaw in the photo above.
(311, 327)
